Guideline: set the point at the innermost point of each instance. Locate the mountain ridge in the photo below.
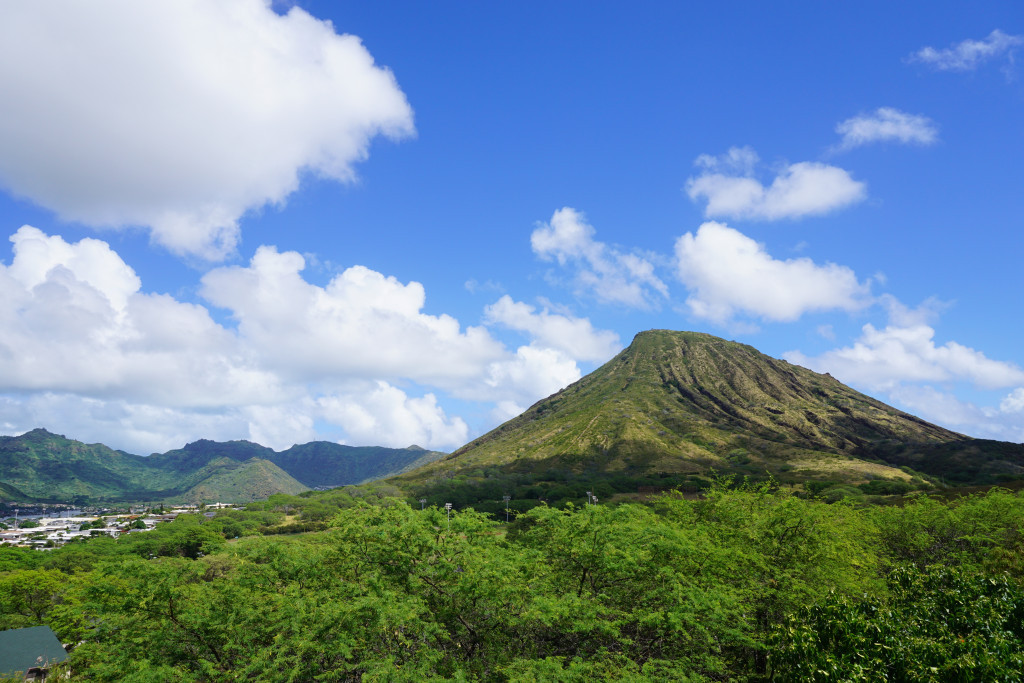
(40, 466)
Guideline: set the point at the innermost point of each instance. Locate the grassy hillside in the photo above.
(49, 467)
(681, 404)
(230, 481)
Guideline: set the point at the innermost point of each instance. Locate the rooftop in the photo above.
(24, 648)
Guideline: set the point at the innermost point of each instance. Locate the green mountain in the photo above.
(681, 404)
(42, 467)
(321, 464)
(48, 467)
(318, 464)
(198, 454)
(230, 480)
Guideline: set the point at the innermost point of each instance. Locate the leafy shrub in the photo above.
(942, 624)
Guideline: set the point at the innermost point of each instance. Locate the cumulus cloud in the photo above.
(366, 325)
(883, 359)
(384, 415)
(942, 407)
(182, 115)
(728, 274)
(361, 324)
(575, 336)
(82, 344)
(1013, 402)
(610, 275)
(533, 373)
(968, 55)
(731, 190)
(135, 427)
(73, 319)
(281, 426)
(884, 125)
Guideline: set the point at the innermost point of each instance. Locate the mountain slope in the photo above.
(42, 467)
(685, 403)
(317, 464)
(228, 480)
(198, 454)
(320, 464)
(47, 466)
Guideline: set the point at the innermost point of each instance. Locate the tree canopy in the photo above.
(748, 582)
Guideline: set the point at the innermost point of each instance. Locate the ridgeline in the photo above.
(41, 467)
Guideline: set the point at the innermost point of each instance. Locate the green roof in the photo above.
(23, 648)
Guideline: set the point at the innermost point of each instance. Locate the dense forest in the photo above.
(746, 582)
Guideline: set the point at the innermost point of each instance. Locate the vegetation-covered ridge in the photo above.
(747, 583)
(678, 405)
(39, 466)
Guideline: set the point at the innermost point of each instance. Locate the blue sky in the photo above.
(397, 223)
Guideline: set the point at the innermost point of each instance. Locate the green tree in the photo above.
(940, 624)
(27, 595)
(783, 552)
(982, 531)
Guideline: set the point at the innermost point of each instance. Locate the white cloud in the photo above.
(969, 54)
(575, 336)
(362, 324)
(533, 373)
(85, 351)
(280, 426)
(1002, 423)
(1014, 402)
(884, 125)
(610, 275)
(386, 416)
(505, 411)
(807, 188)
(134, 427)
(737, 161)
(366, 325)
(883, 359)
(72, 319)
(728, 273)
(182, 115)
(90, 261)
(903, 363)
(901, 315)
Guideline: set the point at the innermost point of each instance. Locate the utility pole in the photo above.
(423, 502)
(506, 498)
(448, 508)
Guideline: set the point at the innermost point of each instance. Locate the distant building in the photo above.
(29, 652)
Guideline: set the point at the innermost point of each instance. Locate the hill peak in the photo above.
(41, 433)
(687, 402)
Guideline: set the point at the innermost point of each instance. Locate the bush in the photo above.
(943, 624)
